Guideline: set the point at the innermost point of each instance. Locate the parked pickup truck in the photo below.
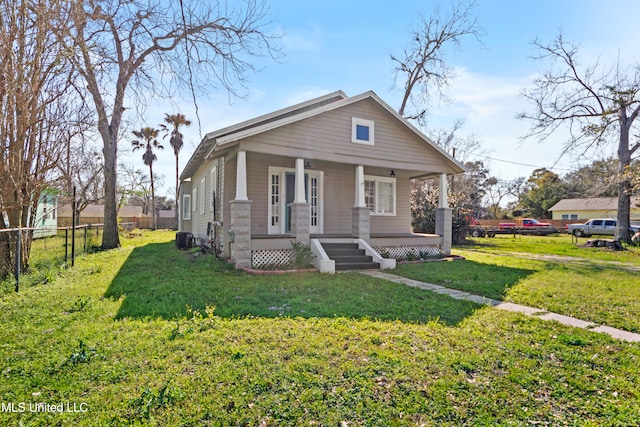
(600, 226)
(476, 229)
(527, 226)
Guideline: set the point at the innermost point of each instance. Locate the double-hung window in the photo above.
(186, 207)
(203, 192)
(380, 195)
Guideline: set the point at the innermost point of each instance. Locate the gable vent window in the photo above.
(362, 131)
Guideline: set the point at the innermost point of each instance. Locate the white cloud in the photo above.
(489, 105)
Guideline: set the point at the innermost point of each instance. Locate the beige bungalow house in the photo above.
(332, 173)
(595, 207)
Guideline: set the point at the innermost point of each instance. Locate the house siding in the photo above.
(338, 195)
(599, 207)
(328, 137)
(199, 220)
(590, 214)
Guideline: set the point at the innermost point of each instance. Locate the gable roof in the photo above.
(223, 138)
(204, 149)
(591, 204)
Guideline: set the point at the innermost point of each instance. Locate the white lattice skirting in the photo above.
(271, 258)
(410, 252)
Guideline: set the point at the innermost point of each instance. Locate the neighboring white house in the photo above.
(46, 220)
(596, 207)
(330, 170)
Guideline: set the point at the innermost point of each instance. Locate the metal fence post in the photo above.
(73, 232)
(18, 257)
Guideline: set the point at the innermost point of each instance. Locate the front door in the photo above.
(282, 195)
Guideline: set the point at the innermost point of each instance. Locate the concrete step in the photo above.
(357, 266)
(352, 258)
(343, 252)
(347, 256)
(340, 245)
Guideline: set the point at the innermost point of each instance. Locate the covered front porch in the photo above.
(305, 220)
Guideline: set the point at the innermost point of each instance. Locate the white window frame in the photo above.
(375, 210)
(186, 207)
(355, 122)
(203, 197)
(194, 206)
(214, 185)
(279, 227)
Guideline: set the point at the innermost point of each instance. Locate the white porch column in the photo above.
(300, 196)
(300, 208)
(359, 202)
(360, 213)
(443, 201)
(241, 176)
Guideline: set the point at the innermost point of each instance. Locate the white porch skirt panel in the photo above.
(271, 258)
(408, 251)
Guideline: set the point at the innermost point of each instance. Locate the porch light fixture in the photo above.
(393, 173)
(307, 165)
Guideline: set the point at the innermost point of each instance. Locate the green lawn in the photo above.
(149, 335)
(549, 273)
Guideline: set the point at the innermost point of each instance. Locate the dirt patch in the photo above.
(610, 244)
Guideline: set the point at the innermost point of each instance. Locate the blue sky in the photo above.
(346, 45)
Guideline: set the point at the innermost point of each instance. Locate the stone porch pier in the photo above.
(444, 221)
(240, 221)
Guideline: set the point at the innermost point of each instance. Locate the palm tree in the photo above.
(147, 140)
(176, 140)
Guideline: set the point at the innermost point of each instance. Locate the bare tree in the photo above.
(148, 140)
(422, 69)
(34, 114)
(126, 50)
(132, 182)
(81, 169)
(498, 190)
(461, 147)
(595, 104)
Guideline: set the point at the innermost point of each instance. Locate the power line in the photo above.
(522, 164)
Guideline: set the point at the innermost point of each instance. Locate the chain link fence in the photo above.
(31, 256)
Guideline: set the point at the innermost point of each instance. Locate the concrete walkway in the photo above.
(529, 311)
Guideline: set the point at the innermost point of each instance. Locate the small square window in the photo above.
(362, 131)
